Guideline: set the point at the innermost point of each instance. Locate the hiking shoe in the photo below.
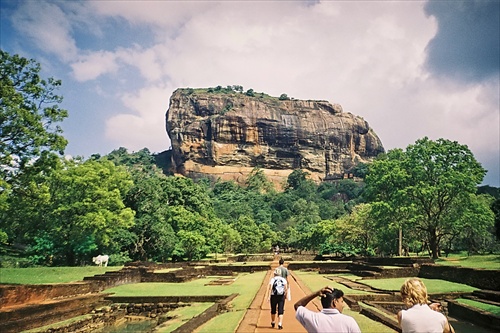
(280, 327)
(272, 325)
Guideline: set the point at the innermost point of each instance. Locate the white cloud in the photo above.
(145, 127)
(366, 56)
(48, 26)
(94, 64)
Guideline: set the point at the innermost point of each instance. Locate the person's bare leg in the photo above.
(280, 323)
(273, 318)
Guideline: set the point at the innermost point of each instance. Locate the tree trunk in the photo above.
(433, 243)
(400, 241)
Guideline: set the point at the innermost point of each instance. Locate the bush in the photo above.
(119, 259)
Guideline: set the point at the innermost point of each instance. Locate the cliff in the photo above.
(226, 134)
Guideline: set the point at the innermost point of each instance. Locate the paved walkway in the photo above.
(258, 317)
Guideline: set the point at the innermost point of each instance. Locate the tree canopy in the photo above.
(425, 187)
(30, 113)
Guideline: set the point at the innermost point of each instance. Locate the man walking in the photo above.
(330, 319)
(285, 274)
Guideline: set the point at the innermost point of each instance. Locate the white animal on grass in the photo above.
(101, 259)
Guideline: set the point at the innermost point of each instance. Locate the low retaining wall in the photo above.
(16, 319)
(211, 312)
(94, 322)
(165, 299)
(12, 295)
(480, 278)
(473, 315)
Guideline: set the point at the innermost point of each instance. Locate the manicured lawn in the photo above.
(246, 285)
(195, 287)
(480, 305)
(317, 281)
(433, 285)
(490, 261)
(40, 275)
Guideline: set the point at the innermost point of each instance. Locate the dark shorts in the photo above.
(277, 301)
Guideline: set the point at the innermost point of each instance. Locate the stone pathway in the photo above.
(258, 317)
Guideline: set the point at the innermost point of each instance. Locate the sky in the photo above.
(412, 69)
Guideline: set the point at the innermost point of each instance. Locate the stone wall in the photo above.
(12, 295)
(479, 278)
(473, 315)
(17, 319)
(164, 299)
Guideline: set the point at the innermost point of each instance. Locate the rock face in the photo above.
(227, 134)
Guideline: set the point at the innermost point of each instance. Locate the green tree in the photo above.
(475, 225)
(427, 186)
(74, 211)
(231, 238)
(359, 230)
(296, 179)
(257, 181)
(192, 244)
(495, 207)
(29, 114)
(29, 130)
(153, 237)
(250, 234)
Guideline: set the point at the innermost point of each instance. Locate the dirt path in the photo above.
(258, 316)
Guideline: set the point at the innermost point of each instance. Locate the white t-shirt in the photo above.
(421, 318)
(328, 320)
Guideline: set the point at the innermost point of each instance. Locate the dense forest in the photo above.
(423, 199)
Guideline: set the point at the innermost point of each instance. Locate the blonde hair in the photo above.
(413, 291)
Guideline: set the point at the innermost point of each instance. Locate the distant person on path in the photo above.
(285, 274)
(330, 319)
(276, 250)
(420, 317)
(276, 295)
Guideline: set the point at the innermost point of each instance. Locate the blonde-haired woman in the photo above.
(419, 317)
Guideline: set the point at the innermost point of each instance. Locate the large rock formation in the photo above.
(225, 134)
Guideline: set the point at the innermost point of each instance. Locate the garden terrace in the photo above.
(44, 304)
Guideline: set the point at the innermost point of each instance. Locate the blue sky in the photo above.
(410, 68)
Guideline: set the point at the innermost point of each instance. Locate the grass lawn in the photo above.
(317, 281)
(490, 261)
(40, 275)
(246, 285)
(182, 315)
(252, 263)
(480, 305)
(195, 287)
(433, 285)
